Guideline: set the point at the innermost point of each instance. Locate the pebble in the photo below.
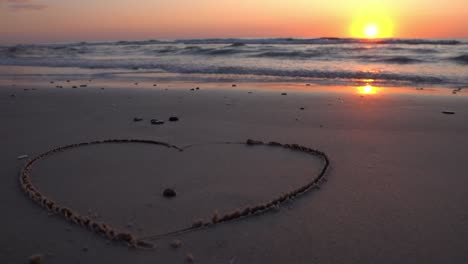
(36, 259)
(176, 243)
(22, 157)
(169, 193)
(173, 119)
(156, 122)
(448, 112)
(190, 258)
(137, 119)
(302, 108)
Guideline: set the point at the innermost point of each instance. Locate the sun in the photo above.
(373, 21)
(371, 31)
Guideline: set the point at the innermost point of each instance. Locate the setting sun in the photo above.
(372, 21)
(371, 31)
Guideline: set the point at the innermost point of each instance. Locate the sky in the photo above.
(45, 21)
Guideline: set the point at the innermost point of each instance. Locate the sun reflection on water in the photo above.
(367, 90)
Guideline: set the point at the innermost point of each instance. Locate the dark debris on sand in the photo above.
(169, 193)
(448, 112)
(173, 119)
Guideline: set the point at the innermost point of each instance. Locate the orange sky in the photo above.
(88, 20)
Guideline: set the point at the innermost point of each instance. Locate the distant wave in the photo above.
(287, 54)
(463, 59)
(320, 41)
(401, 60)
(238, 42)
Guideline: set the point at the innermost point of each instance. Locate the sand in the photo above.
(396, 191)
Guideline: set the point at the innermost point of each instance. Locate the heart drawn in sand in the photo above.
(109, 232)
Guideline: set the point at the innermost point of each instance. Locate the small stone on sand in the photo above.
(22, 157)
(173, 119)
(169, 193)
(448, 112)
(190, 258)
(156, 122)
(234, 85)
(302, 108)
(137, 119)
(284, 94)
(176, 243)
(36, 259)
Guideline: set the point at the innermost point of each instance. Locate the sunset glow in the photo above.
(373, 21)
(89, 20)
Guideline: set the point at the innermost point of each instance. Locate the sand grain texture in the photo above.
(396, 191)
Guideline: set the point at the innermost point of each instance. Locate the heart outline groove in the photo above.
(129, 239)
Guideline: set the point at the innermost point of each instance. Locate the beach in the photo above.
(396, 189)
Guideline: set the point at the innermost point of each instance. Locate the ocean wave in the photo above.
(320, 41)
(401, 60)
(462, 59)
(287, 54)
(235, 70)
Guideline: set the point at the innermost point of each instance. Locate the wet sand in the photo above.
(396, 191)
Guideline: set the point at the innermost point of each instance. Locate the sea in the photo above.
(325, 61)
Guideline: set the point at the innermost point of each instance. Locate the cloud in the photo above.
(24, 5)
